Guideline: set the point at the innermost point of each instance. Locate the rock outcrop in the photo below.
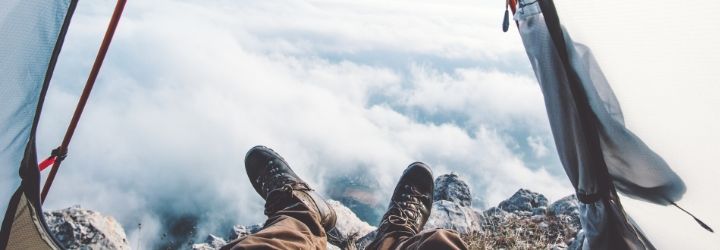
(450, 215)
(212, 242)
(567, 206)
(525, 201)
(452, 206)
(78, 228)
(525, 220)
(449, 187)
(348, 227)
(239, 231)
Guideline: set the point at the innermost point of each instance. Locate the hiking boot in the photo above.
(270, 174)
(411, 202)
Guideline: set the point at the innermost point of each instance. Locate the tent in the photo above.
(601, 156)
(32, 34)
(41, 25)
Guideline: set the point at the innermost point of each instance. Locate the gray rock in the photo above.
(347, 222)
(525, 205)
(524, 200)
(215, 241)
(348, 228)
(78, 228)
(523, 213)
(450, 187)
(202, 246)
(539, 211)
(452, 215)
(566, 206)
(567, 210)
(452, 206)
(211, 242)
(495, 211)
(240, 231)
(537, 218)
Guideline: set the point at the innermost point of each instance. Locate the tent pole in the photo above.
(62, 150)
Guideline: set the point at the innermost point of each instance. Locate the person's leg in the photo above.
(408, 212)
(297, 216)
(430, 240)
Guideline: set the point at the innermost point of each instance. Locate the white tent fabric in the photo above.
(599, 154)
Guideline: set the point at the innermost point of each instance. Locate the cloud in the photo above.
(537, 145)
(334, 86)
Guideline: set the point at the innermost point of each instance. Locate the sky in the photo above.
(338, 88)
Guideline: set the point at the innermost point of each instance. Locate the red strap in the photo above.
(47, 162)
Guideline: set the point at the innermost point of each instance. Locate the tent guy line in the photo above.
(59, 154)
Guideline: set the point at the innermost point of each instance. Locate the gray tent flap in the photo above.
(606, 226)
(599, 154)
(32, 32)
(635, 169)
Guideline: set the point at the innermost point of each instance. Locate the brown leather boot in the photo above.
(411, 202)
(269, 173)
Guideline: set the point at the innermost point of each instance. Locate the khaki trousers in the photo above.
(437, 239)
(298, 227)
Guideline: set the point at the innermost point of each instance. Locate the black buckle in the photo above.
(59, 154)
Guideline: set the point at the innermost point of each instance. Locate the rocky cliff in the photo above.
(525, 220)
(78, 228)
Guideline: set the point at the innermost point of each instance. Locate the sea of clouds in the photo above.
(334, 86)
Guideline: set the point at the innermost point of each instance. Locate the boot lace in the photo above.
(276, 179)
(405, 212)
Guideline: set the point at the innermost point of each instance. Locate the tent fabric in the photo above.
(599, 154)
(27, 232)
(32, 33)
(29, 31)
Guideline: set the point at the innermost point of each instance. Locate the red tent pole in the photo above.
(62, 150)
